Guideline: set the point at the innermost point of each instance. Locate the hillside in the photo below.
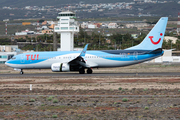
(169, 9)
(22, 3)
(166, 9)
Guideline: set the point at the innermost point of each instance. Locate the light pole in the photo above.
(84, 37)
(46, 36)
(132, 42)
(99, 39)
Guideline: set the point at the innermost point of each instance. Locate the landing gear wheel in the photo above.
(21, 72)
(89, 71)
(81, 71)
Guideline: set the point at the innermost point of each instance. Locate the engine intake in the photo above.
(60, 67)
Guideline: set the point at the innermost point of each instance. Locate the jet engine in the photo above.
(60, 67)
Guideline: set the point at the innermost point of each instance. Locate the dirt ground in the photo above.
(92, 98)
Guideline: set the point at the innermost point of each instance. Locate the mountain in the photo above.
(166, 9)
(22, 3)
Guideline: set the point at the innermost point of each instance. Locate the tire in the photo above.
(89, 71)
(81, 71)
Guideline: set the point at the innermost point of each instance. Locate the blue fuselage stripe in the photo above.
(114, 55)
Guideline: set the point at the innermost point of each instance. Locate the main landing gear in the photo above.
(82, 71)
(21, 72)
(89, 71)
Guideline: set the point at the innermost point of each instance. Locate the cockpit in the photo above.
(13, 58)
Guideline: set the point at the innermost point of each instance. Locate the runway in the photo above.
(149, 74)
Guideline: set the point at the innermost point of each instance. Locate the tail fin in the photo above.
(155, 37)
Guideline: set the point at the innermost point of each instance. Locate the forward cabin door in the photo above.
(22, 60)
(135, 56)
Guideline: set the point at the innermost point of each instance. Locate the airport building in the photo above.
(7, 52)
(167, 57)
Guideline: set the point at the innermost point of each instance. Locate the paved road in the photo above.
(162, 74)
(118, 96)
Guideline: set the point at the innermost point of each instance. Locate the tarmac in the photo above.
(70, 75)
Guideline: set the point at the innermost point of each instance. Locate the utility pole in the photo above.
(99, 39)
(84, 37)
(6, 27)
(132, 42)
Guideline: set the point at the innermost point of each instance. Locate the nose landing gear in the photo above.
(21, 72)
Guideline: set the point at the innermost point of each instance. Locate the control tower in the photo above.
(67, 26)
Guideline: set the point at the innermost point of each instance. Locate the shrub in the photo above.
(32, 100)
(145, 89)
(42, 104)
(54, 116)
(55, 101)
(124, 99)
(146, 108)
(120, 88)
(50, 98)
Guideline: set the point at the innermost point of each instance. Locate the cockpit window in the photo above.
(13, 58)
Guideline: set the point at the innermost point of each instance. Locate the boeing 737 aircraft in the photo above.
(64, 61)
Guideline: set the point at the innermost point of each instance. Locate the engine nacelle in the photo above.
(60, 67)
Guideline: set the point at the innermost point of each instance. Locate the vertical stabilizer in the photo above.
(155, 37)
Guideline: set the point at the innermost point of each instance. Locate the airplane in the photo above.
(65, 61)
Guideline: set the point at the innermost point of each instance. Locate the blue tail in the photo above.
(155, 37)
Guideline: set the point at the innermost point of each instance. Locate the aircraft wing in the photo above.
(80, 59)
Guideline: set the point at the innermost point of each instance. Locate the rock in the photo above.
(174, 104)
(1, 100)
(69, 104)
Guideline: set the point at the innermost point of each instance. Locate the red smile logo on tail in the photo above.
(155, 43)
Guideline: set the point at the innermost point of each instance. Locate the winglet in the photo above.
(83, 53)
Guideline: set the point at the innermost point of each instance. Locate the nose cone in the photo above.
(6, 63)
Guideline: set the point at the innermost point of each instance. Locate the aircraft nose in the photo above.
(6, 63)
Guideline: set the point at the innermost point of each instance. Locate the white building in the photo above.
(166, 58)
(7, 52)
(84, 25)
(173, 39)
(92, 26)
(26, 32)
(138, 25)
(112, 25)
(67, 26)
